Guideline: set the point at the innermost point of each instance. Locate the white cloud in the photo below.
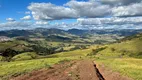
(41, 22)
(72, 9)
(48, 11)
(89, 9)
(130, 10)
(120, 2)
(110, 21)
(10, 19)
(26, 18)
(15, 25)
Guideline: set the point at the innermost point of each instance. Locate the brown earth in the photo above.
(73, 70)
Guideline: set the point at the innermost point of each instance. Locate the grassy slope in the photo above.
(118, 57)
(25, 56)
(130, 67)
(128, 48)
(13, 45)
(79, 53)
(8, 69)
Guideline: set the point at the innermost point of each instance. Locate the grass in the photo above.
(124, 49)
(2, 58)
(130, 67)
(13, 45)
(124, 57)
(68, 48)
(74, 53)
(8, 69)
(25, 56)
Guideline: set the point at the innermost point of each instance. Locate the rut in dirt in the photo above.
(98, 73)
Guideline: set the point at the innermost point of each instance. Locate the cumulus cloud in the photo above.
(15, 25)
(26, 17)
(128, 11)
(120, 2)
(10, 19)
(92, 14)
(72, 9)
(89, 9)
(110, 21)
(48, 11)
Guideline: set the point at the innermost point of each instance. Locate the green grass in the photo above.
(8, 69)
(68, 48)
(124, 49)
(2, 58)
(25, 56)
(124, 57)
(130, 67)
(13, 45)
(79, 52)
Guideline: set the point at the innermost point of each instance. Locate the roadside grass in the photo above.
(9, 69)
(130, 67)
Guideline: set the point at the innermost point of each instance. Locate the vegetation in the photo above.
(130, 67)
(124, 57)
(8, 69)
(25, 56)
(35, 50)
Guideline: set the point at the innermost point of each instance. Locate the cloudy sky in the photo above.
(68, 14)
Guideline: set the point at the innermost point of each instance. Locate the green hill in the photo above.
(124, 57)
(128, 47)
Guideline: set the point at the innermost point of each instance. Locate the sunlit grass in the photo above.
(79, 52)
(8, 69)
(130, 67)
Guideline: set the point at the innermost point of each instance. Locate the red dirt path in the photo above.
(74, 70)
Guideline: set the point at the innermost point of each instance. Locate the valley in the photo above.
(33, 57)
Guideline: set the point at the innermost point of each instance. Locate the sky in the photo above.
(68, 14)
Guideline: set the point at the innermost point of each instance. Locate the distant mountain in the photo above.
(77, 31)
(39, 32)
(123, 32)
(75, 35)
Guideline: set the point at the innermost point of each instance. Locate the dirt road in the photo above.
(74, 70)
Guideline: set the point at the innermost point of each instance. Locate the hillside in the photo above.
(75, 35)
(128, 47)
(124, 57)
(29, 55)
